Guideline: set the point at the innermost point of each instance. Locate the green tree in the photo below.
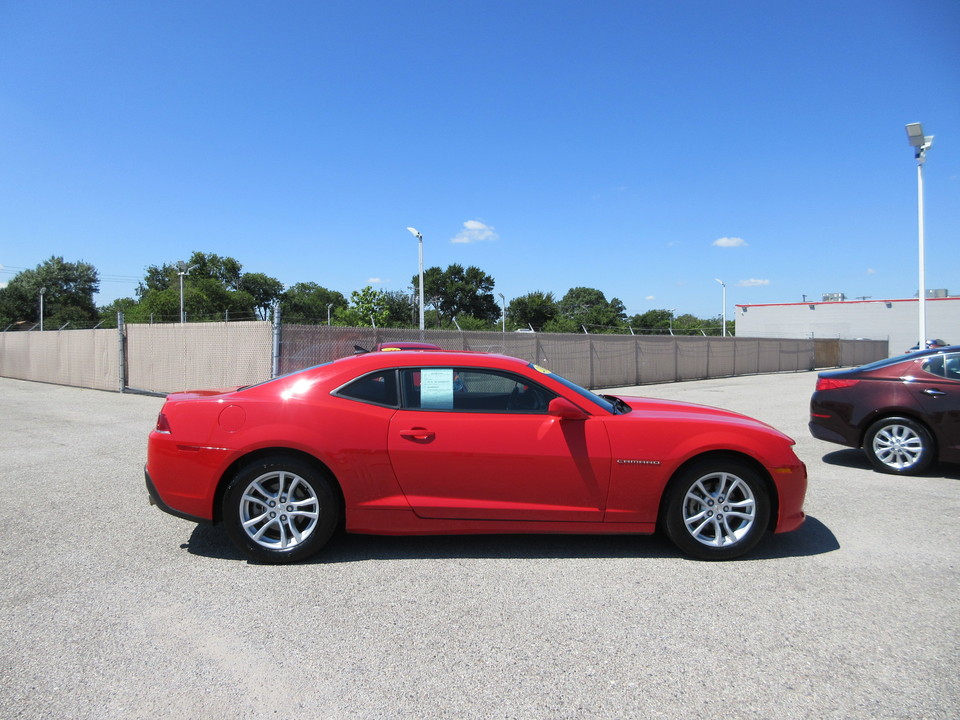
(308, 302)
(687, 324)
(264, 290)
(534, 309)
(368, 307)
(589, 307)
(469, 322)
(68, 289)
(457, 291)
(214, 287)
(400, 309)
(652, 322)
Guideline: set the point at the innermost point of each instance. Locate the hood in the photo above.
(677, 410)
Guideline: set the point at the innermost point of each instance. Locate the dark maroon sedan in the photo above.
(903, 411)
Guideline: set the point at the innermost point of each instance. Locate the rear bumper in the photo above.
(155, 499)
(820, 432)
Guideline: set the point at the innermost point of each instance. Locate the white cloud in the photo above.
(475, 231)
(752, 282)
(730, 242)
(374, 281)
(650, 297)
(871, 271)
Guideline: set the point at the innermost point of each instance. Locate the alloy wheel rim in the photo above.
(898, 446)
(279, 510)
(719, 509)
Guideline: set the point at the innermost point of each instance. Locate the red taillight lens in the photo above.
(163, 425)
(834, 383)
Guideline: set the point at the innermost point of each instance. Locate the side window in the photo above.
(933, 365)
(951, 366)
(472, 390)
(379, 388)
(945, 366)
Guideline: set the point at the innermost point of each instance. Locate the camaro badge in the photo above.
(638, 462)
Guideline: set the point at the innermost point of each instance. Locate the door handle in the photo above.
(933, 393)
(418, 434)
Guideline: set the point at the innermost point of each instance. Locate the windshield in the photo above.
(608, 405)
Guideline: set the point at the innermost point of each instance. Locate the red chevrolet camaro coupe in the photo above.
(420, 443)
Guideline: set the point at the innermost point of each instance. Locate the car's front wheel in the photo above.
(717, 509)
(280, 509)
(899, 446)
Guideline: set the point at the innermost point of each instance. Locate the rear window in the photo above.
(378, 388)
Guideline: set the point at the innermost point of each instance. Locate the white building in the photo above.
(893, 320)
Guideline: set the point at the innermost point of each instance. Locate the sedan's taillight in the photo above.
(834, 383)
(163, 425)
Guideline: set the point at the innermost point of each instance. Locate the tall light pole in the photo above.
(183, 271)
(920, 144)
(419, 237)
(42, 291)
(503, 304)
(723, 313)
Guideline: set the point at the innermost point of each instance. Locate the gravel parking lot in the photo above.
(113, 609)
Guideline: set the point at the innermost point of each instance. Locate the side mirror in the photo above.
(565, 410)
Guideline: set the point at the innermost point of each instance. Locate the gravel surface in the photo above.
(113, 609)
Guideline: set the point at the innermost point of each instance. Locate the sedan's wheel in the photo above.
(280, 510)
(899, 446)
(717, 510)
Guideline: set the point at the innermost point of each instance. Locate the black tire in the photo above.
(899, 446)
(280, 509)
(717, 509)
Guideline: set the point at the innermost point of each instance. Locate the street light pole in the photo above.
(181, 273)
(723, 312)
(42, 291)
(920, 143)
(503, 304)
(419, 237)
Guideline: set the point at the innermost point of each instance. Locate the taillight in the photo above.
(163, 425)
(834, 383)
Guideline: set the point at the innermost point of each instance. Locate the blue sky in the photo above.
(642, 148)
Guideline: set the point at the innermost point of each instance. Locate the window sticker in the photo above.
(542, 370)
(436, 388)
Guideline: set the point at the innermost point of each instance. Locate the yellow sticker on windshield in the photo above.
(542, 369)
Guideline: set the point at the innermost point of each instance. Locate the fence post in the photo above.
(275, 355)
(590, 354)
(121, 350)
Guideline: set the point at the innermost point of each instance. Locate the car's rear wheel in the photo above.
(717, 509)
(899, 446)
(280, 509)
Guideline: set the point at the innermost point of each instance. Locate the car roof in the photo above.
(935, 351)
(414, 357)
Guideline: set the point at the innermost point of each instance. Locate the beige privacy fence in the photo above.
(169, 357)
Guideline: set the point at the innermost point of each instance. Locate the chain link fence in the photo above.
(163, 358)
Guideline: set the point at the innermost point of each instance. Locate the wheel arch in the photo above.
(716, 455)
(255, 455)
